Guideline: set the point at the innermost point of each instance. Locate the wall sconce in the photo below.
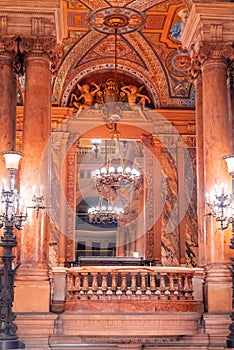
(221, 204)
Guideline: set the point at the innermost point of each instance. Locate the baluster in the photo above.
(119, 292)
(188, 290)
(180, 286)
(70, 282)
(104, 282)
(176, 286)
(143, 281)
(158, 280)
(152, 282)
(95, 281)
(163, 286)
(133, 281)
(123, 282)
(172, 286)
(77, 282)
(113, 281)
(85, 282)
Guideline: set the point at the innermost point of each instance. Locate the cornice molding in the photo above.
(32, 18)
(210, 22)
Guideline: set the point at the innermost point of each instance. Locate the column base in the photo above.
(32, 290)
(218, 287)
(230, 343)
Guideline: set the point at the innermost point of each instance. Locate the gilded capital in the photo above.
(209, 51)
(41, 47)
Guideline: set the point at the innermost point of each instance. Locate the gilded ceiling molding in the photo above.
(143, 5)
(152, 63)
(91, 4)
(73, 56)
(134, 69)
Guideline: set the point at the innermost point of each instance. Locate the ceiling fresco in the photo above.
(147, 53)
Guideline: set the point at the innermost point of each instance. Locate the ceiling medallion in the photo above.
(123, 19)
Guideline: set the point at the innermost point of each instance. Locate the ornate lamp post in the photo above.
(222, 208)
(12, 215)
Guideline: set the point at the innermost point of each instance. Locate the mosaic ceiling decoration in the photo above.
(149, 55)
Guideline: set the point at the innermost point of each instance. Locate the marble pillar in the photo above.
(71, 201)
(59, 173)
(8, 98)
(32, 280)
(208, 34)
(200, 172)
(217, 143)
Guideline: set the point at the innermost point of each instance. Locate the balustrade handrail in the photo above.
(167, 269)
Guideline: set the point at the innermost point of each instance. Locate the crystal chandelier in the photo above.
(104, 214)
(116, 176)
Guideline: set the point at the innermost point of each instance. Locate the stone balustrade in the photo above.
(130, 283)
(84, 288)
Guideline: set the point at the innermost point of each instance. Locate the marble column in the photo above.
(209, 35)
(217, 143)
(8, 98)
(200, 171)
(32, 278)
(59, 173)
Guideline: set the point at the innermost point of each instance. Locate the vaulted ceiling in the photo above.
(148, 50)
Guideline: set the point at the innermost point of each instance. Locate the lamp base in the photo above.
(11, 344)
(230, 343)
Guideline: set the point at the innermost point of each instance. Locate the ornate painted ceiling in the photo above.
(144, 51)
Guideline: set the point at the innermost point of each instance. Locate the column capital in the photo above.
(8, 45)
(41, 47)
(218, 53)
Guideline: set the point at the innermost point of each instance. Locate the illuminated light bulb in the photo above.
(111, 169)
(127, 170)
(120, 169)
(103, 170)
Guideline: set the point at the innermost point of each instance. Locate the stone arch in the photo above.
(134, 71)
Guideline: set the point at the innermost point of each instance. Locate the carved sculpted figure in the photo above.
(135, 99)
(85, 100)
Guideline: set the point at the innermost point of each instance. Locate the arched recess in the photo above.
(127, 73)
(163, 153)
(153, 76)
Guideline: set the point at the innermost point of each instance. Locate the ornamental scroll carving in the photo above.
(208, 51)
(21, 47)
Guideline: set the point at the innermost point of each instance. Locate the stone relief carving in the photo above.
(94, 95)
